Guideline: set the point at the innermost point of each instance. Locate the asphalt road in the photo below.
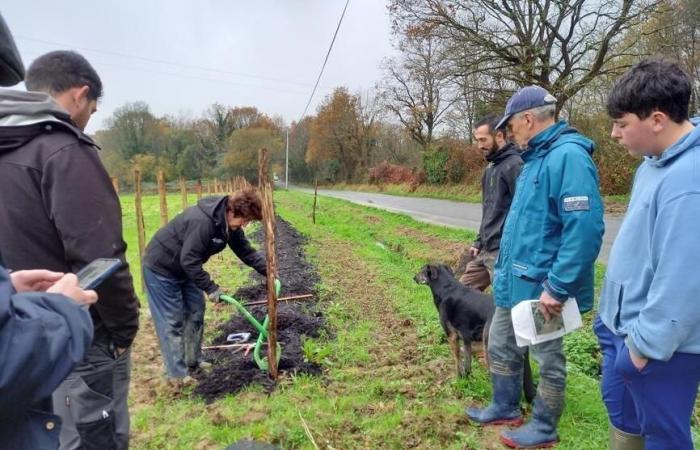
(447, 212)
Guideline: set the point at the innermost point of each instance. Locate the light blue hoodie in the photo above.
(651, 291)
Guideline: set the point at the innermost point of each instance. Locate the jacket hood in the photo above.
(19, 103)
(214, 208)
(560, 133)
(24, 115)
(691, 139)
(508, 150)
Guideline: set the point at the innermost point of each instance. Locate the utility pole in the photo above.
(286, 164)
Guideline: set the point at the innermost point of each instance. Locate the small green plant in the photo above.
(317, 352)
(582, 352)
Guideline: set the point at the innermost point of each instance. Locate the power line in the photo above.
(199, 78)
(161, 61)
(325, 61)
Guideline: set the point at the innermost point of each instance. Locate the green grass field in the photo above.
(389, 379)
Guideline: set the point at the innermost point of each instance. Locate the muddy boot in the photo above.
(504, 408)
(540, 431)
(620, 440)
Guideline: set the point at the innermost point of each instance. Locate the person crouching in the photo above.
(176, 282)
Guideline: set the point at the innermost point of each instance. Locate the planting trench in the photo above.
(231, 370)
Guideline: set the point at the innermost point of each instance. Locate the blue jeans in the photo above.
(177, 308)
(657, 401)
(506, 358)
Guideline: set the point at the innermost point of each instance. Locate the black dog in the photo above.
(465, 313)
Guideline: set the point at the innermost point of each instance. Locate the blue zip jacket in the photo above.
(42, 338)
(651, 291)
(554, 228)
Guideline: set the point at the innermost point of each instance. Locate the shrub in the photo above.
(385, 173)
(435, 165)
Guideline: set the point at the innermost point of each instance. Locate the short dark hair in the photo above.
(245, 204)
(58, 71)
(656, 84)
(491, 120)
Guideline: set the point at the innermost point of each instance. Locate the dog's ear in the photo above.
(432, 272)
(449, 269)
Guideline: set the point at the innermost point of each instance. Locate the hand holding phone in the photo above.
(68, 286)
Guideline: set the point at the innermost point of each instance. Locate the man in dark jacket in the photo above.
(497, 190)
(43, 334)
(60, 212)
(176, 281)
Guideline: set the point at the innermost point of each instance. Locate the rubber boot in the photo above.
(540, 431)
(504, 408)
(621, 440)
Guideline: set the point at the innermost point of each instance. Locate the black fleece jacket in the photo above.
(59, 210)
(498, 188)
(183, 245)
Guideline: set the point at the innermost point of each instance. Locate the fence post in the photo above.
(183, 192)
(269, 224)
(163, 198)
(140, 225)
(313, 212)
(115, 183)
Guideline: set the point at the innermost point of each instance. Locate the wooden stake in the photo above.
(198, 186)
(163, 198)
(268, 211)
(216, 186)
(313, 213)
(183, 192)
(140, 225)
(115, 183)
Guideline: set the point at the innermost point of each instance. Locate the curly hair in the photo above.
(245, 204)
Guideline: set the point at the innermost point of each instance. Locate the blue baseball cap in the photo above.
(526, 98)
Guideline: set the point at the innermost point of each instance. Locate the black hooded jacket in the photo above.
(185, 244)
(498, 188)
(59, 210)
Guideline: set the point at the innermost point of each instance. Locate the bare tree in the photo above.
(419, 89)
(675, 31)
(561, 45)
(369, 113)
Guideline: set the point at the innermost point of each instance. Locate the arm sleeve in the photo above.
(580, 208)
(193, 254)
(85, 210)
(511, 177)
(242, 248)
(670, 310)
(42, 338)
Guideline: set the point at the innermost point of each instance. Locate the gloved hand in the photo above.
(215, 296)
(278, 286)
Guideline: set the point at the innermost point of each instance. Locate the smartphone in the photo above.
(90, 276)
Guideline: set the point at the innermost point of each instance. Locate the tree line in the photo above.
(456, 60)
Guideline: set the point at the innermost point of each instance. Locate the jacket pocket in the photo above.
(527, 281)
(98, 435)
(611, 302)
(528, 271)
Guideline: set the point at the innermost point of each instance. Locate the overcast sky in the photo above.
(264, 53)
